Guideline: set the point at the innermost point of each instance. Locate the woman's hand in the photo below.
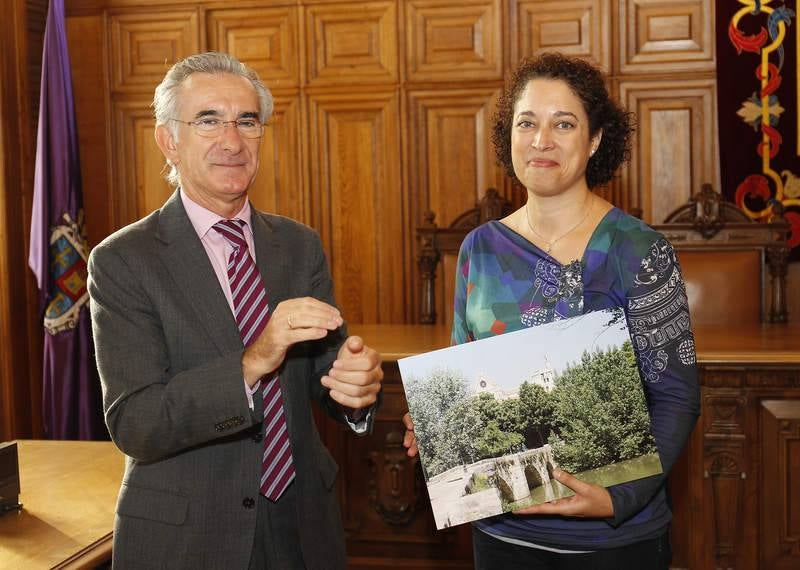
(589, 501)
(409, 439)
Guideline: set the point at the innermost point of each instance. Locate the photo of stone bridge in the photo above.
(457, 496)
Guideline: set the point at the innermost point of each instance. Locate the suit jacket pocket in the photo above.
(152, 504)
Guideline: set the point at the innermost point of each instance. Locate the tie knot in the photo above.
(232, 231)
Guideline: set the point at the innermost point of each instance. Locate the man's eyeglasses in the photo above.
(213, 127)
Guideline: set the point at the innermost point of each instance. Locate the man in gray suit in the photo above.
(215, 325)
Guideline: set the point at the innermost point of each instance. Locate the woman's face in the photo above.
(550, 143)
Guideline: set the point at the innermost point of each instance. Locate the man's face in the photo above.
(215, 171)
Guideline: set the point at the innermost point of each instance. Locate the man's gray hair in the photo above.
(166, 100)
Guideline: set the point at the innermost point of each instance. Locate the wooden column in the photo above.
(20, 356)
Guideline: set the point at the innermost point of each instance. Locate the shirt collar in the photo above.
(203, 219)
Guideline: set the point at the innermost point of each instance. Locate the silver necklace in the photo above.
(550, 244)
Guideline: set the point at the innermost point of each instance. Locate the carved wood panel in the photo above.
(266, 39)
(138, 187)
(357, 203)
(724, 468)
(451, 161)
(725, 412)
(675, 148)
(351, 42)
(725, 474)
(145, 44)
(780, 511)
(385, 506)
(447, 40)
(666, 35)
(580, 28)
(90, 90)
(280, 186)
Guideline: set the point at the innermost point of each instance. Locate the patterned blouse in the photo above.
(505, 283)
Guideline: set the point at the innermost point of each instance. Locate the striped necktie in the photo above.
(252, 312)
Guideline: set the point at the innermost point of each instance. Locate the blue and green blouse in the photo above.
(505, 283)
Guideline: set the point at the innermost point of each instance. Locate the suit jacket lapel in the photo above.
(274, 262)
(191, 269)
(272, 258)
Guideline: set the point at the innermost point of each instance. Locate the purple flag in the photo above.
(72, 406)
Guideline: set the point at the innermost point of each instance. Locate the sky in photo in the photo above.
(510, 359)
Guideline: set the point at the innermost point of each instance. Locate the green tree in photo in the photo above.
(458, 441)
(536, 414)
(430, 402)
(501, 425)
(599, 411)
(505, 413)
(494, 442)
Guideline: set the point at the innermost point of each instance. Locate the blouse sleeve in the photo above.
(461, 332)
(658, 319)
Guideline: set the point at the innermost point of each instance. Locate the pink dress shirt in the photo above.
(219, 250)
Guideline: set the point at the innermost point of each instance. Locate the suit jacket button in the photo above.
(258, 437)
(248, 503)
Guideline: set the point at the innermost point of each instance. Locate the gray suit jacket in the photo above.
(169, 355)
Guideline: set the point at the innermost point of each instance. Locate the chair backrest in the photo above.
(734, 267)
(441, 245)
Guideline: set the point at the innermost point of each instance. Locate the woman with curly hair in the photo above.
(566, 252)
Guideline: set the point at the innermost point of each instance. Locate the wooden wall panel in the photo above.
(20, 328)
(351, 43)
(357, 201)
(265, 38)
(145, 45)
(580, 28)
(450, 166)
(666, 35)
(447, 40)
(280, 186)
(780, 512)
(139, 186)
(450, 160)
(86, 36)
(675, 147)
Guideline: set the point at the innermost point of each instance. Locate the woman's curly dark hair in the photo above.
(586, 81)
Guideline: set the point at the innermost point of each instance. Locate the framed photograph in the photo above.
(494, 417)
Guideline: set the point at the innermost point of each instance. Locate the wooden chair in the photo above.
(734, 267)
(441, 244)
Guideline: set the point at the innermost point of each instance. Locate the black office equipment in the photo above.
(9, 477)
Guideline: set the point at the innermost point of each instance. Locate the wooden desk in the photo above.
(69, 493)
(733, 503)
(761, 344)
(399, 341)
(777, 344)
